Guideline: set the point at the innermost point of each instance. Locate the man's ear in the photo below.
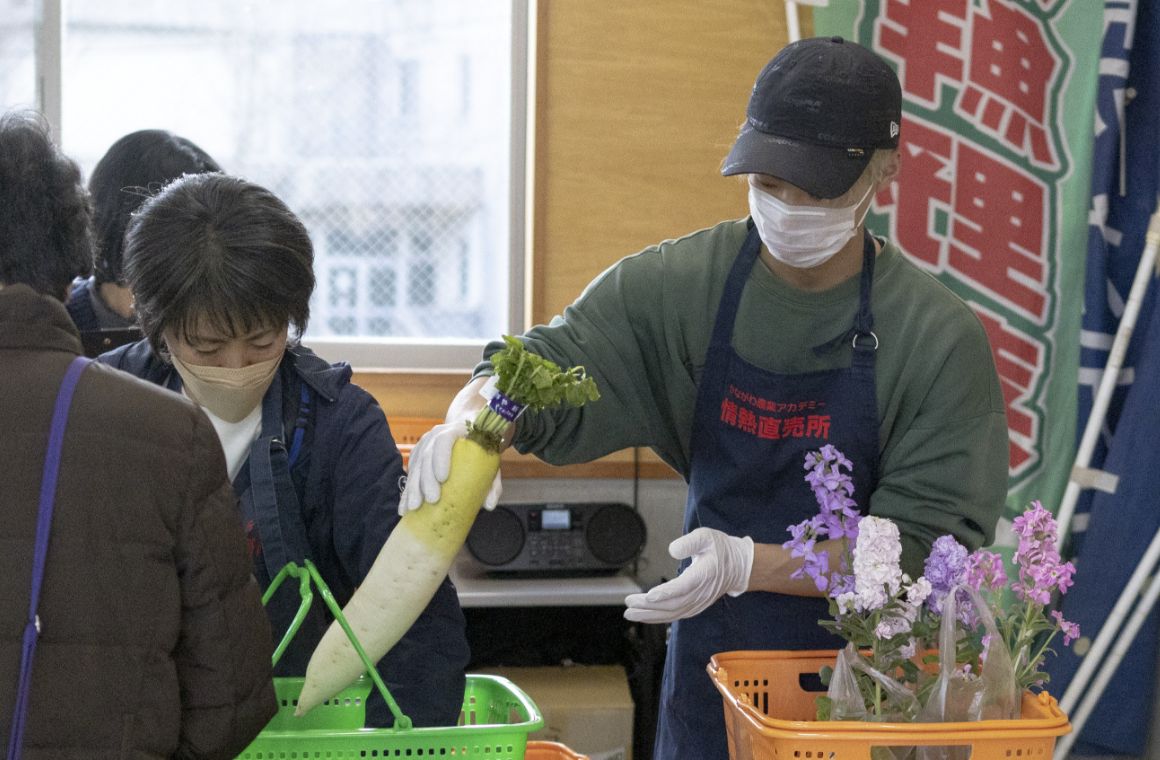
(890, 168)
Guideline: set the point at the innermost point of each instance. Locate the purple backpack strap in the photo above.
(40, 553)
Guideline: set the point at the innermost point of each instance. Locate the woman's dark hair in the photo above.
(135, 167)
(45, 218)
(216, 251)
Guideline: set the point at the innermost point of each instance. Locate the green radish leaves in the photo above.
(533, 382)
(539, 383)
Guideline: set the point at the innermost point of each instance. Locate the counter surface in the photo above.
(479, 589)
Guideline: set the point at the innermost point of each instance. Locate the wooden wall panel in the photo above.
(637, 104)
(408, 394)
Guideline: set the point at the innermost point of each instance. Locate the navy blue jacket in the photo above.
(346, 471)
(80, 308)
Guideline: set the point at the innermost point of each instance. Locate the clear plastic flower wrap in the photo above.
(959, 643)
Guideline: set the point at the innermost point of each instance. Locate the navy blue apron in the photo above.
(751, 431)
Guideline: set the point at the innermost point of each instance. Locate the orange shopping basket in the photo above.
(769, 714)
(538, 750)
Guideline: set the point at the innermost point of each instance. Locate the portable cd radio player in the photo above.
(557, 539)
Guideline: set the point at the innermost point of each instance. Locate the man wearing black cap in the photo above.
(736, 350)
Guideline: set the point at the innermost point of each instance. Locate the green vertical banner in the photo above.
(998, 102)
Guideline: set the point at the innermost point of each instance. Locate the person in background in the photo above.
(221, 274)
(736, 350)
(134, 167)
(153, 641)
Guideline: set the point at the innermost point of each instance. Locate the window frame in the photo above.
(364, 353)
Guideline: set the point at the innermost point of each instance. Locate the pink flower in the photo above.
(985, 571)
(1070, 630)
(1041, 571)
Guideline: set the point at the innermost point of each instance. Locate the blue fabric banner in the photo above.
(1111, 531)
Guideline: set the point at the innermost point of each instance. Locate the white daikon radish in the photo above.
(418, 553)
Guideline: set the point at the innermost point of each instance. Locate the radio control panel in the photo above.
(557, 538)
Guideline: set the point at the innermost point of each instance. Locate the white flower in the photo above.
(918, 591)
(847, 601)
(908, 649)
(877, 554)
(891, 627)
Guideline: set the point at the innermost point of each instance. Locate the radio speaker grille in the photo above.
(615, 534)
(497, 537)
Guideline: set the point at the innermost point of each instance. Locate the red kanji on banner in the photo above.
(999, 235)
(993, 55)
(990, 230)
(747, 420)
(1012, 71)
(926, 38)
(1019, 360)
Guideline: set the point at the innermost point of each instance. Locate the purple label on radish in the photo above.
(505, 407)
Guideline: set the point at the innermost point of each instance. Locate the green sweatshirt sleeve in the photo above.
(944, 465)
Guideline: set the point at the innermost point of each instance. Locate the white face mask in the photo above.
(803, 236)
(229, 393)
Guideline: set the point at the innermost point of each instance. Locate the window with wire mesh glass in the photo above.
(17, 55)
(384, 124)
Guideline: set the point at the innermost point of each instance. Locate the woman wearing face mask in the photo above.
(221, 273)
(735, 350)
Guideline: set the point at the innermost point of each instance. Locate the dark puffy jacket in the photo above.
(345, 473)
(154, 642)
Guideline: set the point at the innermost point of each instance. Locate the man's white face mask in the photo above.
(803, 237)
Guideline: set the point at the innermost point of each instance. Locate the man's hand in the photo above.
(721, 565)
(430, 465)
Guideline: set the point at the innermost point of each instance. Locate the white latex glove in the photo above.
(721, 565)
(430, 464)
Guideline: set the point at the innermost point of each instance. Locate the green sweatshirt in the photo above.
(642, 330)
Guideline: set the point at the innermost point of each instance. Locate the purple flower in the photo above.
(826, 455)
(945, 567)
(837, 518)
(804, 537)
(833, 488)
(815, 565)
(1070, 630)
(841, 583)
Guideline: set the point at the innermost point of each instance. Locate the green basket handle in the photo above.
(305, 576)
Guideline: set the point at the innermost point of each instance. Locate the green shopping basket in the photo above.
(493, 725)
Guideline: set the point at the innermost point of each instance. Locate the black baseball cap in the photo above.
(818, 111)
